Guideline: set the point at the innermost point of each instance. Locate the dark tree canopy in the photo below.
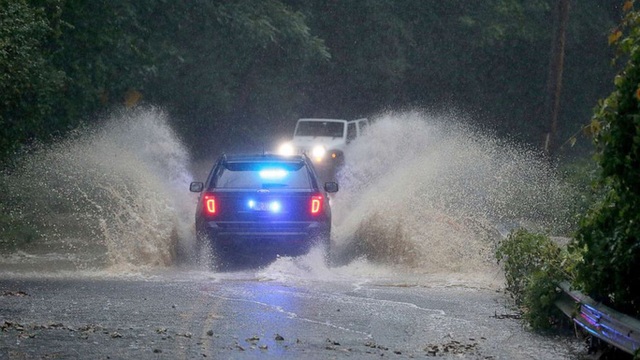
(29, 82)
(247, 69)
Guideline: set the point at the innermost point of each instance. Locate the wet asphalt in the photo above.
(244, 317)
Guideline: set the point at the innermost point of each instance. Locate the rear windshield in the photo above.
(320, 128)
(252, 175)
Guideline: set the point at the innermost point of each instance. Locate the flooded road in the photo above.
(268, 314)
(101, 264)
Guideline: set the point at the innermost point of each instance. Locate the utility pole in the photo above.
(554, 82)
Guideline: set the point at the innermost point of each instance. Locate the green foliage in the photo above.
(610, 232)
(225, 67)
(61, 62)
(233, 69)
(533, 265)
(102, 50)
(370, 59)
(29, 84)
(512, 19)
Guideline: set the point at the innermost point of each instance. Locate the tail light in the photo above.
(209, 206)
(316, 204)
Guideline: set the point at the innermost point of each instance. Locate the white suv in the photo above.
(324, 140)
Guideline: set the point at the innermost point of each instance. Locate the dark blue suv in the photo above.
(261, 204)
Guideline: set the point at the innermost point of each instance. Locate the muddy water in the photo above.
(430, 195)
(421, 197)
(115, 196)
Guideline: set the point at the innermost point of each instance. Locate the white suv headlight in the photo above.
(318, 152)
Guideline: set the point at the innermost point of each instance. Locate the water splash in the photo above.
(426, 193)
(114, 196)
(420, 194)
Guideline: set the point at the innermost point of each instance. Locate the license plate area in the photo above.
(271, 206)
(261, 206)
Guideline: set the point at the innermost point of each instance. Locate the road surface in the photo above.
(295, 313)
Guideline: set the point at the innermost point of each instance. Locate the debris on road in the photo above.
(516, 316)
(453, 347)
(253, 339)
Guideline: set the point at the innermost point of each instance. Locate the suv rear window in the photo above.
(261, 175)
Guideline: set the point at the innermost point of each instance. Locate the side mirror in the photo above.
(331, 187)
(196, 187)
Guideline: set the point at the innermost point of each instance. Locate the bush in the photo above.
(533, 265)
(610, 232)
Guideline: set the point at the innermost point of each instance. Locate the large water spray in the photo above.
(420, 193)
(427, 193)
(115, 196)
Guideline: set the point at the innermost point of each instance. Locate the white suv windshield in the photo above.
(320, 128)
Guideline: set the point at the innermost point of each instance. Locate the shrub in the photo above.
(610, 232)
(533, 266)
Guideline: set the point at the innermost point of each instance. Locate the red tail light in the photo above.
(209, 204)
(316, 204)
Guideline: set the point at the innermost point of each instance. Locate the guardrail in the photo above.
(609, 325)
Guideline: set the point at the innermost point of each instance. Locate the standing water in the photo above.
(420, 194)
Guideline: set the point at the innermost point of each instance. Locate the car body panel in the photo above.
(324, 141)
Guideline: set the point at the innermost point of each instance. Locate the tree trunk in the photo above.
(554, 82)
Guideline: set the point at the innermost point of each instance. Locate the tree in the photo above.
(62, 61)
(103, 51)
(610, 233)
(491, 58)
(246, 69)
(369, 43)
(229, 68)
(29, 84)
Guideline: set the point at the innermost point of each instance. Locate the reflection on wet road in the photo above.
(188, 314)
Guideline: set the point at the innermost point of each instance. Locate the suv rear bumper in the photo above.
(264, 229)
(281, 234)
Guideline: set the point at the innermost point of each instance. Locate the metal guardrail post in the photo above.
(609, 325)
